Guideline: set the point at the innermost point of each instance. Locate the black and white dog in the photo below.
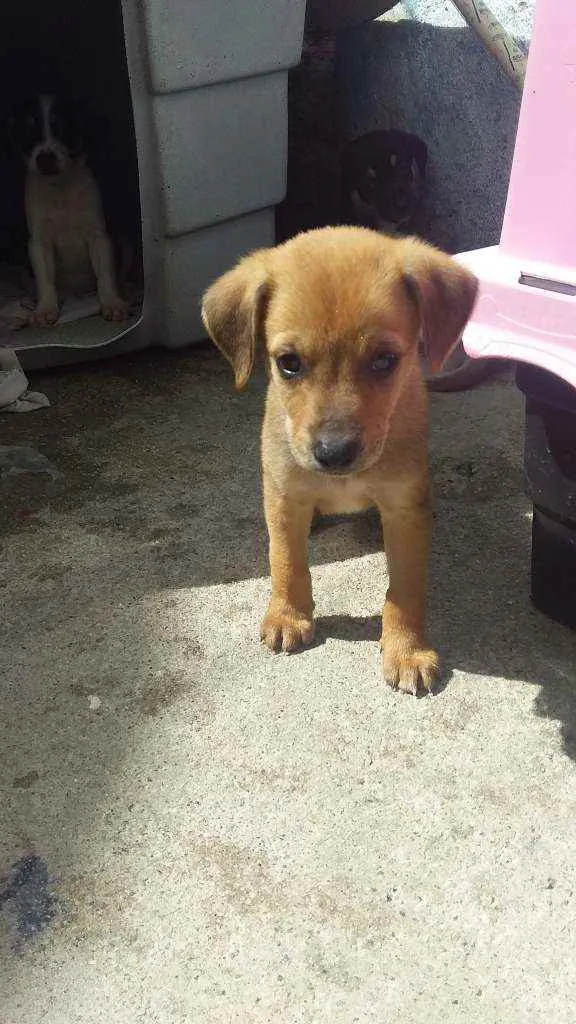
(69, 247)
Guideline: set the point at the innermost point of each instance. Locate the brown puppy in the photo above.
(340, 312)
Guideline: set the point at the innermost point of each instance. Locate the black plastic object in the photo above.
(550, 475)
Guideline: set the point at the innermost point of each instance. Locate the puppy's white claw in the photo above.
(115, 310)
(410, 670)
(43, 316)
(285, 632)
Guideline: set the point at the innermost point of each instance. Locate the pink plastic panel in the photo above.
(540, 217)
(516, 321)
(526, 307)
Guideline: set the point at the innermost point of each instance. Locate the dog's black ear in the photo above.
(234, 311)
(445, 294)
(419, 153)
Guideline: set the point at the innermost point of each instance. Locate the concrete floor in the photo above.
(194, 830)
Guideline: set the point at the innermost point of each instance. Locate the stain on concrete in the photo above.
(18, 459)
(164, 691)
(26, 781)
(176, 548)
(282, 781)
(243, 875)
(159, 533)
(51, 573)
(190, 647)
(488, 475)
(343, 923)
(27, 897)
(151, 696)
(184, 509)
(157, 698)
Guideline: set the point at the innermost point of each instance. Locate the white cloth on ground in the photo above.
(14, 393)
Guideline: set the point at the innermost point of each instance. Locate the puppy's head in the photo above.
(46, 131)
(340, 313)
(383, 177)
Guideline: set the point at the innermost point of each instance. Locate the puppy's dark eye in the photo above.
(384, 364)
(289, 365)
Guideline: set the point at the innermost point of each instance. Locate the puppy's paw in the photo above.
(286, 630)
(115, 309)
(43, 316)
(409, 668)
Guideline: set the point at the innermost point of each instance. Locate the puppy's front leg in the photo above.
(102, 259)
(407, 661)
(41, 252)
(288, 622)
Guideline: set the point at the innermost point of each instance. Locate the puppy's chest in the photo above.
(66, 216)
(341, 497)
(65, 213)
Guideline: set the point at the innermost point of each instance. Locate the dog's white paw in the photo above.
(409, 669)
(286, 630)
(43, 316)
(115, 309)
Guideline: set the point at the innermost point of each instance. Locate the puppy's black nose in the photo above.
(47, 162)
(336, 452)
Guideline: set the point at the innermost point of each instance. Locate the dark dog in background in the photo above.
(383, 175)
(69, 246)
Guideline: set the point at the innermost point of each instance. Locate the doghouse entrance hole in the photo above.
(79, 45)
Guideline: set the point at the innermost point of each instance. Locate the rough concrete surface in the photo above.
(194, 830)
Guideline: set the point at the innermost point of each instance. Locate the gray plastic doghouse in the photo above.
(208, 80)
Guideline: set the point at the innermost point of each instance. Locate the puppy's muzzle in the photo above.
(47, 162)
(335, 452)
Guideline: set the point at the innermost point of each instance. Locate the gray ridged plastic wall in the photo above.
(209, 90)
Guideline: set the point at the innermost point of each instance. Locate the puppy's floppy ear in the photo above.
(445, 293)
(233, 313)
